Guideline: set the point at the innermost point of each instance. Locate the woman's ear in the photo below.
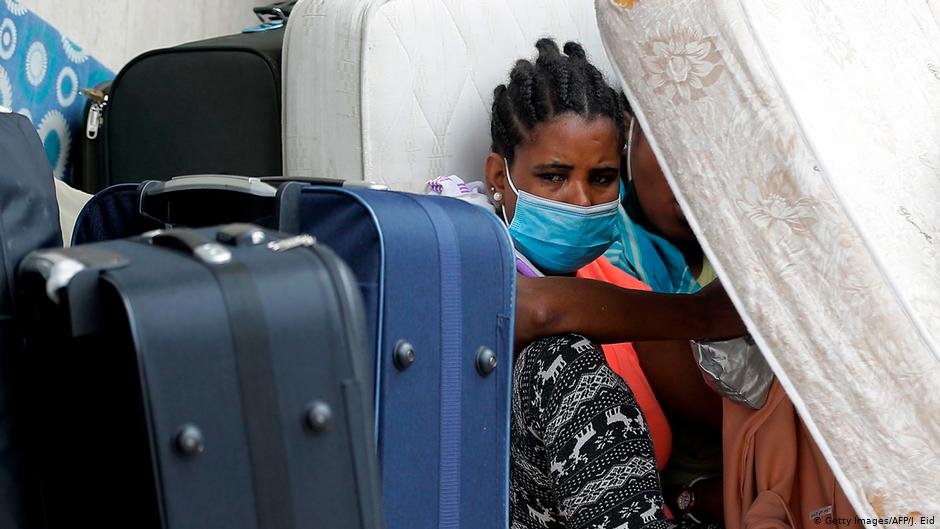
(494, 171)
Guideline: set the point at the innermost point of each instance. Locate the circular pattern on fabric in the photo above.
(56, 139)
(73, 51)
(6, 89)
(26, 113)
(66, 86)
(7, 39)
(16, 7)
(37, 61)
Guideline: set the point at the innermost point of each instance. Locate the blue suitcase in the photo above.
(438, 281)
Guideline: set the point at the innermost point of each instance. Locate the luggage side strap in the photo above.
(256, 378)
(451, 364)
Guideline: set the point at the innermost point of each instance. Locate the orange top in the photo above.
(774, 474)
(622, 359)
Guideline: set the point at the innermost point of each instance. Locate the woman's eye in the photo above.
(603, 179)
(552, 177)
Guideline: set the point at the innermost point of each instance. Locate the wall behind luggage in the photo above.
(116, 31)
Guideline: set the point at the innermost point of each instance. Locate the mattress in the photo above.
(802, 139)
(399, 91)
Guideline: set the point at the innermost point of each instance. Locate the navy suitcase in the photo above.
(200, 379)
(29, 220)
(193, 201)
(438, 281)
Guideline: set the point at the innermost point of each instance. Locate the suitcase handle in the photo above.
(277, 11)
(242, 184)
(312, 180)
(190, 242)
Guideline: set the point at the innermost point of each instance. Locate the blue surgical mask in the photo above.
(558, 237)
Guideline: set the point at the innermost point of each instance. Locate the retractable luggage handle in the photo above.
(254, 363)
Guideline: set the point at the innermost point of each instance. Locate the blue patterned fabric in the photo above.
(41, 72)
(651, 259)
(648, 257)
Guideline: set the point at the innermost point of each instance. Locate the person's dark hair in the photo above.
(555, 84)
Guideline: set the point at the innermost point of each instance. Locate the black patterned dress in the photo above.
(582, 455)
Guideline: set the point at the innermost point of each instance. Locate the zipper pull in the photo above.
(94, 121)
(99, 100)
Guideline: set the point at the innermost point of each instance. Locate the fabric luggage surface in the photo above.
(214, 378)
(211, 106)
(437, 278)
(29, 220)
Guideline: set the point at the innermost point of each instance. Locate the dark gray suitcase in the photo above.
(29, 220)
(217, 378)
(206, 107)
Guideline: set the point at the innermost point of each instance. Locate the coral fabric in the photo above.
(622, 359)
(774, 475)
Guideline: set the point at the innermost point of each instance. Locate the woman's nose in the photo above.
(580, 194)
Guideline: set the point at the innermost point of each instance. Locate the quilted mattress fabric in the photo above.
(399, 91)
(803, 141)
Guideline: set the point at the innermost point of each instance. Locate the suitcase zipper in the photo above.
(95, 112)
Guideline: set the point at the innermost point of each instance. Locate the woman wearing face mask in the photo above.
(585, 445)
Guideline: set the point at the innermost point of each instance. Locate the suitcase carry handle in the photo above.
(190, 242)
(317, 181)
(242, 184)
(229, 184)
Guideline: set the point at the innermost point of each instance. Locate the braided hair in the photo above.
(555, 84)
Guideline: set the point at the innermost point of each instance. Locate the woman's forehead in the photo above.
(570, 138)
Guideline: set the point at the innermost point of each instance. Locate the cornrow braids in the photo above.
(556, 83)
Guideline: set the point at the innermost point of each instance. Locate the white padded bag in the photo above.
(803, 140)
(399, 91)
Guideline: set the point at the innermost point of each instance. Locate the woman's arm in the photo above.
(606, 313)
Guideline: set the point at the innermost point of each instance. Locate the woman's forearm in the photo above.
(609, 314)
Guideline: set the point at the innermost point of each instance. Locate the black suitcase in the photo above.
(29, 220)
(217, 378)
(207, 107)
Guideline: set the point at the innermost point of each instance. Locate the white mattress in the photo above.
(803, 140)
(71, 201)
(399, 91)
